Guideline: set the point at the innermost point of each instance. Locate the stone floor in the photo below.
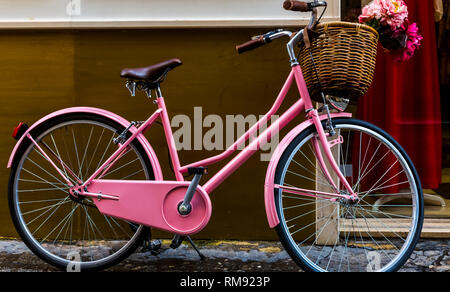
(222, 256)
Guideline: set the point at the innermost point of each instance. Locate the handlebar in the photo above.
(250, 45)
(297, 6)
(292, 5)
(303, 6)
(261, 40)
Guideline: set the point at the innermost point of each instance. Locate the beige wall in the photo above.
(153, 14)
(46, 70)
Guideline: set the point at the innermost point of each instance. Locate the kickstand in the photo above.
(202, 257)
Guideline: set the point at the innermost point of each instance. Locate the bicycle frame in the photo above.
(91, 187)
(304, 103)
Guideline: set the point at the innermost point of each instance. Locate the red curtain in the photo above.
(404, 98)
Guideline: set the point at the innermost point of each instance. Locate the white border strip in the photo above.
(113, 23)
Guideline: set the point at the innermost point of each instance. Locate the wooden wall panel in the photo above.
(36, 78)
(45, 71)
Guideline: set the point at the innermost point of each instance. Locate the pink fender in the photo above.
(144, 142)
(269, 198)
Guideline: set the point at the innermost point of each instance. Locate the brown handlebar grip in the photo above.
(250, 45)
(296, 6)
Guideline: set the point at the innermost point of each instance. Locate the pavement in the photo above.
(221, 256)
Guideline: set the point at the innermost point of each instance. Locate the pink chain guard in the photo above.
(154, 204)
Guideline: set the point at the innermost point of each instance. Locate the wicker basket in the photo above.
(345, 55)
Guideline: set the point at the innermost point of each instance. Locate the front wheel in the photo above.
(376, 233)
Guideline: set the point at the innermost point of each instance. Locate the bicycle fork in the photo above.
(326, 146)
(317, 142)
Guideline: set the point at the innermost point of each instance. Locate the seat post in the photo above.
(158, 91)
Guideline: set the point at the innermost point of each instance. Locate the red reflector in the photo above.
(19, 130)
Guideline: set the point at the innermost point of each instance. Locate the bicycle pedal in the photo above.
(154, 246)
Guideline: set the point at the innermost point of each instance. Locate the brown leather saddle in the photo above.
(152, 74)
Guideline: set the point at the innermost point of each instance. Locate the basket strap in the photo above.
(308, 36)
(306, 39)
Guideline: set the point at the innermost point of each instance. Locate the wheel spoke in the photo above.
(80, 173)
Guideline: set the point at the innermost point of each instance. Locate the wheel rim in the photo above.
(66, 231)
(365, 236)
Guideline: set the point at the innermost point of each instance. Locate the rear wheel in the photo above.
(65, 232)
(377, 233)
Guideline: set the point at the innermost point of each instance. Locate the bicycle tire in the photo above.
(142, 232)
(282, 229)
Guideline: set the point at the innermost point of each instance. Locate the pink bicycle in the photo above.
(341, 193)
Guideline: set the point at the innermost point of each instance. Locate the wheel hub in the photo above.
(350, 201)
(74, 194)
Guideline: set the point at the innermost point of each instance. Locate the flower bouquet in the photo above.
(397, 35)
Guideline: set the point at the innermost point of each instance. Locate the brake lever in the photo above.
(274, 32)
(267, 35)
(317, 4)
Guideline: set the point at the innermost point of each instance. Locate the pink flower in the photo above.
(413, 43)
(388, 12)
(390, 19)
(394, 12)
(371, 11)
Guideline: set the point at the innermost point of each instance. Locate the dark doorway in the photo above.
(350, 10)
